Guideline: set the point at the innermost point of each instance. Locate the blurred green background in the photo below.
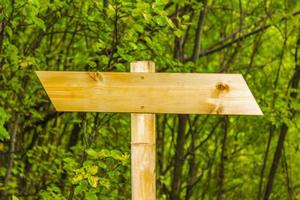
(52, 155)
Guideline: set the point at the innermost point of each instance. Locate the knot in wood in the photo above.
(216, 108)
(96, 76)
(222, 87)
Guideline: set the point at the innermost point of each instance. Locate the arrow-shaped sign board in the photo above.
(143, 92)
(184, 93)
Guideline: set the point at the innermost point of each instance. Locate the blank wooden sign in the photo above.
(143, 91)
(182, 93)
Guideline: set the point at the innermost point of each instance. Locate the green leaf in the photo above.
(178, 33)
(160, 20)
(81, 187)
(104, 182)
(93, 181)
(170, 22)
(91, 152)
(3, 118)
(104, 153)
(93, 170)
(3, 133)
(117, 155)
(91, 195)
(39, 22)
(76, 179)
(9, 31)
(102, 165)
(15, 198)
(12, 52)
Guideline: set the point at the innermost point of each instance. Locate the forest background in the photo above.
(53, 155)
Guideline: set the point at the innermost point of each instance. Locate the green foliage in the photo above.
(52, 192)
(86, 155)
(3, 118)
(97, 173)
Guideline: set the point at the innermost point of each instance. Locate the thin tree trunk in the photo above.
(161, 129)
(287, 177)
(206, 186)
(197, 46)
(12, 150)
(221, 192)
(192, 167)
(276, 158)
(262, 173)
(74, 135)
(178, 158)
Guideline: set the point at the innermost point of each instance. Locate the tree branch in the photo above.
(197, 46)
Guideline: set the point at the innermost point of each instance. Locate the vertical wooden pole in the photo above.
(143, 174)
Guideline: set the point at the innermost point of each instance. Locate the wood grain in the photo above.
(185, 93)
(143, 176)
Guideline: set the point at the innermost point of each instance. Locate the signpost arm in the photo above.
(143, 174)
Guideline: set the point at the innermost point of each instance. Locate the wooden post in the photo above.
(180, 93)
(143, 175)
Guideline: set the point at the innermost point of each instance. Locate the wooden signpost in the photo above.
(144, 93)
